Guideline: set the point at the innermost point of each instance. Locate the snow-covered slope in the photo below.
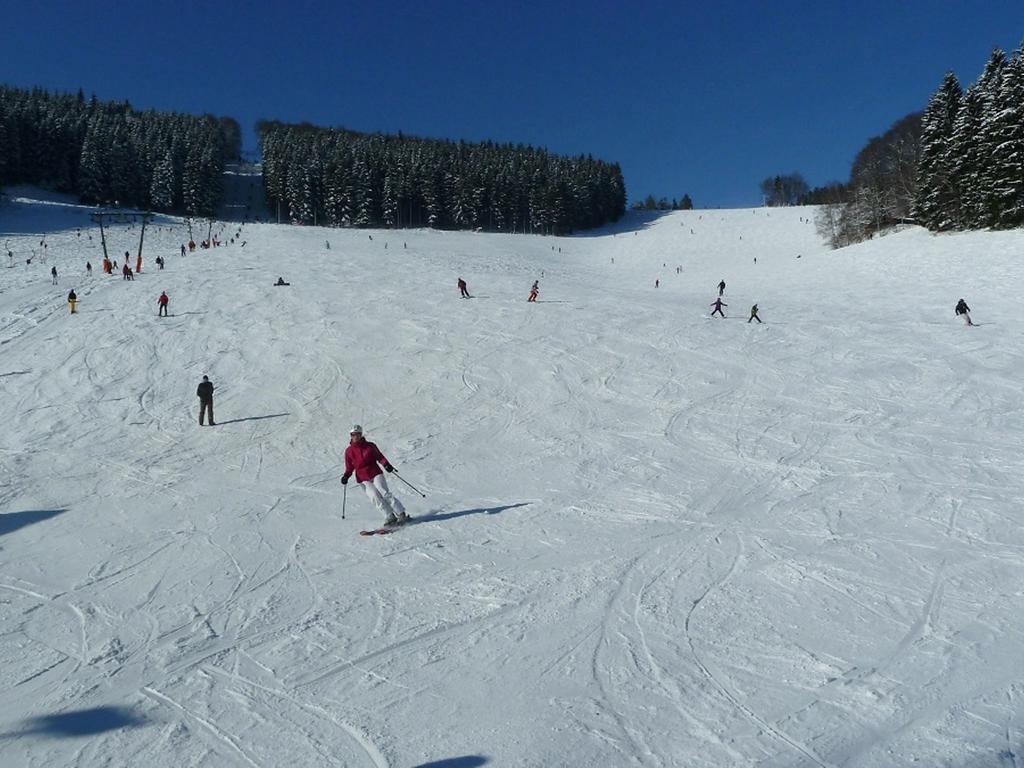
(649, 537)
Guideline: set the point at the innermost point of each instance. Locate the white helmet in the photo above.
(356, 430)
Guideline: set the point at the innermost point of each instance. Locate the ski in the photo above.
(386, 529)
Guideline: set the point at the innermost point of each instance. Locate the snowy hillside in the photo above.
(649, 537)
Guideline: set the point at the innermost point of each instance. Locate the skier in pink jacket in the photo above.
(364, 459)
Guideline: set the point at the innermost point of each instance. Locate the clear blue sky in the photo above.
(705, 97)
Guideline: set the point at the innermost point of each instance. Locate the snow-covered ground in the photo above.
(649, 538)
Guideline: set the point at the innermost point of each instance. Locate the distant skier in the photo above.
(163, 301)
(72, 300)
(280, 281)
(721, 289)
(205, 394)
(753, 314)
(963, 309)
(126, 273)
(657, 282)
(718, 307)
(463, 289)
(364, 459)
(88, 268)
(534, 290)
(53, 275)
(182, 249)
(160, 262)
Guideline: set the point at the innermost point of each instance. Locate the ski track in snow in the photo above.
(651, 537)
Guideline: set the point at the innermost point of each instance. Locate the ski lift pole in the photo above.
(410, 484)
(142, 234)
(103, 237)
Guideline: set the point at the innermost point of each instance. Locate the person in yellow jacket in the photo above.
(72, 300)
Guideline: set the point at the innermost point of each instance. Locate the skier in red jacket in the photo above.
(363, 458)
(163, 301)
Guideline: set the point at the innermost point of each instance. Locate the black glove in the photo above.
(388, 468)
(344, 479)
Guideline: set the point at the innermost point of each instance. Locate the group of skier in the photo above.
(362, 457)
(718, 304)
(961, 309)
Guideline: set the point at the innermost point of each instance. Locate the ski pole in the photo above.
(410, 485)
(344, 497)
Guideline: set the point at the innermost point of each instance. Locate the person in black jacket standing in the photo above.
(205, 393)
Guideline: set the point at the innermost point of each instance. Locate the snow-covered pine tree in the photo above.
(161, 189)
(362, 195)
(986, 139)
(192, 182)
(935, 198)
(335, 195)
(306, 210)
(212, 177)
(389, 201)
(92, 177)
(433, 196)
(966, 159)
(293, 191)
(462, 203)
(1006, 182)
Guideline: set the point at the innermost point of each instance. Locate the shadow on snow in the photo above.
(82, 722)
(466, 761)
(631, 221)
(12, 521)
(252, 418)
(431, 517)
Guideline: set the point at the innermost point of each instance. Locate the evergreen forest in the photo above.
(111, 154)
(342, 178)
(970, 174)
(959, 165)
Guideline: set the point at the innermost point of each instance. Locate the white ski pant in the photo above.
(383, 499)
